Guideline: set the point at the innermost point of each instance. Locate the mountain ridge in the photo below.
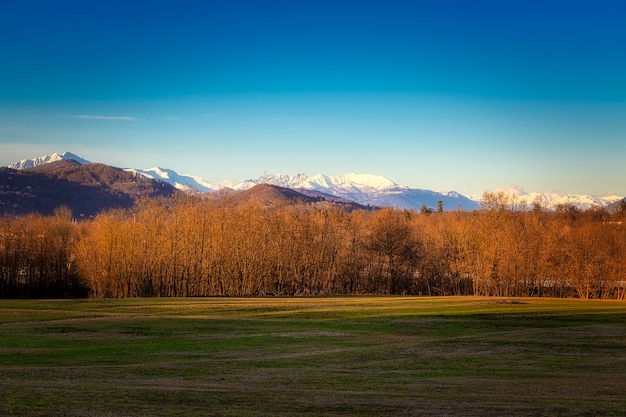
(47, 159)
(86, 189)
(364, 189)
(183, 182)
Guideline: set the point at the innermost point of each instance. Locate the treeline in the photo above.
(197, 247)
(36, 256)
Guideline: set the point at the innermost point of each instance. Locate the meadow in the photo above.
(319, 356)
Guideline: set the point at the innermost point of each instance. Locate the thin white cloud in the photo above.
(214, 116)
(96, 117)
(228, 182)
(514, 190)
(289, 119)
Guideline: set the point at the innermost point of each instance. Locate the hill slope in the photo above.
(183, 182)
(85, 189)
(270, 195)
(363, 189)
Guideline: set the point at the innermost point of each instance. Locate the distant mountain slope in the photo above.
(618, 206)
(184, 182)
(334, 185)
(267, 195)
(416, 198)
(85, 189)
(366, 189)
(582, 201)
(552, 200)
(363, 189)
(270, 195)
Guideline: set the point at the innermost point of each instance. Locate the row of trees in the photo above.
(196, 247)
(36, 256)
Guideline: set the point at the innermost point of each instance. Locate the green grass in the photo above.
(348, 356)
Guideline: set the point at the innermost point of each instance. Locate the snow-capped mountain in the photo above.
(552, 200)
(366, 189)
(334, 185)
(184, 182)
(582, 201)
(32, 163)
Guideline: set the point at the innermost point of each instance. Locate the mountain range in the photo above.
(85, 188)
(363, 189)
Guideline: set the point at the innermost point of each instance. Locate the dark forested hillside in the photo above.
(85, 189)
(271, 195)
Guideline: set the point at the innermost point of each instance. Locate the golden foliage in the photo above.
(214, 247)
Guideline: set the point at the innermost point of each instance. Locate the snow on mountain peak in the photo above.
(552, 200)
(364, 181)
(47, 159)
(336, 185)
(582, 201)
(184, 182)
(367, 189)
(69, 155)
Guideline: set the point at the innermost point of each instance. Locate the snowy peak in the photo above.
(47, 159)
(363, 182)
(551, 201)
(353, 183)
(280, 180)
(184, 182)
(582, 201)
(365, 189)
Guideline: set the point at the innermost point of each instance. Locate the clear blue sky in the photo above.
(444, 95)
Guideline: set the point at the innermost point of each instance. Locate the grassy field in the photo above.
(361, 356)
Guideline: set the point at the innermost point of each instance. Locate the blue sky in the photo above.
(445, 95)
